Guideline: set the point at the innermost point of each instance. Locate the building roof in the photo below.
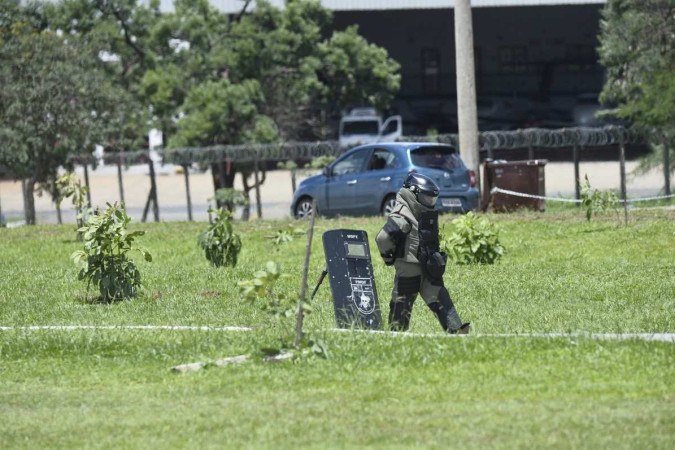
(234, 6)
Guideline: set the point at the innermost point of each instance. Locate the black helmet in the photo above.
(423, 187)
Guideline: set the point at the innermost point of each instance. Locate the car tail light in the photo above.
(472, 178)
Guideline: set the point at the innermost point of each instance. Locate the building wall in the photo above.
(540, 53)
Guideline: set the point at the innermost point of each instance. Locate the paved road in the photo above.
(276, 192)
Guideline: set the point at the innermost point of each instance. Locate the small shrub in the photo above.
(104, 261)
(260, 289)
(286, 235)
(595, 201)
(229, 198)
(321, 161)
(69, 185)
(472, 240)
(220, 244)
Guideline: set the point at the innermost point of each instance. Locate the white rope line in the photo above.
(496, 190)
(123, 327)
(661, 337)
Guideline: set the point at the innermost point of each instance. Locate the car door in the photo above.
(344, 181)
(376, 181)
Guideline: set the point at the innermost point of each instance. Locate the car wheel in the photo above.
(388, 204)
(304, 208)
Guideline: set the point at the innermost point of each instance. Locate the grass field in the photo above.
(113, 388)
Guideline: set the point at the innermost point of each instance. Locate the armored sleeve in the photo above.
(392, 236)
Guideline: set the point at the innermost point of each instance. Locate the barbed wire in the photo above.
(493, 141)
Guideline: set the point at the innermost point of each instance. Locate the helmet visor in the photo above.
(428, 200)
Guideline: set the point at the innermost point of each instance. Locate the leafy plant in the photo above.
(595, 201)
(104, 260)
(230, 198)
(69, 185)
(220, 244)
(321, 161)
(286, 235)
(472, 240)
(261, 289)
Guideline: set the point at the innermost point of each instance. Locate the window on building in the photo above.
(431, 70)
(513, 59)
(580, 56)
(478, 64)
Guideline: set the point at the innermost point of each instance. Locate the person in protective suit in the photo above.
(409, 241)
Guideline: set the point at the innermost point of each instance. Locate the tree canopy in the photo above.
(637, 48)
(56, 100)
(86, 72)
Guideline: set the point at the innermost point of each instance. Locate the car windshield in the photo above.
(444, 158)
(360, 127)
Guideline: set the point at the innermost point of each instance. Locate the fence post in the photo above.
(575, 157)
(666, 167)
(186, 174)
(622, 166)
(153, 191)
(119, 176)
(257, 186)
(86, 183)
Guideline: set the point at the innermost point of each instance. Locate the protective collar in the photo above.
(409, 199)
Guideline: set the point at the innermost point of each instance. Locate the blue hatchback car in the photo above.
(365, 180)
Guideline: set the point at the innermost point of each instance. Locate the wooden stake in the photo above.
(300, 315)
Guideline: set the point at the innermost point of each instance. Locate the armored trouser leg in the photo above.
(402, 299)
(400, 310)
(438, 300)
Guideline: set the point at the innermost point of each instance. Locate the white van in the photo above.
(365, 126)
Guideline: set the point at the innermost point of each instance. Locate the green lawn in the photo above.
(114, 388)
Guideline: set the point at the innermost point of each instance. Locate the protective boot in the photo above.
(400, 309)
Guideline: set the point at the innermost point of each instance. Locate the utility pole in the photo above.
(466, 88)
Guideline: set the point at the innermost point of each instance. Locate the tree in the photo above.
(263, 77)
(637, 48)
(120, 32)
(207, 78)
(56, 100)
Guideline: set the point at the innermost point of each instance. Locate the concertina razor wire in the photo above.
(275, 152)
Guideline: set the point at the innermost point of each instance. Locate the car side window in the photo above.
(382, 159)
(351, 163)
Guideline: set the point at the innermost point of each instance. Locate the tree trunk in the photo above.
(29, 200)
(223, 177)
(59, 219)
(246, 211)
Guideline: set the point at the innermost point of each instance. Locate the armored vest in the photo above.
(422, 240)
(428, 234)
(428, 253)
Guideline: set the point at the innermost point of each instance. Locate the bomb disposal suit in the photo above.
(409, 241)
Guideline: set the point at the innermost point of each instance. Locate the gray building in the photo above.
(536, 60)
